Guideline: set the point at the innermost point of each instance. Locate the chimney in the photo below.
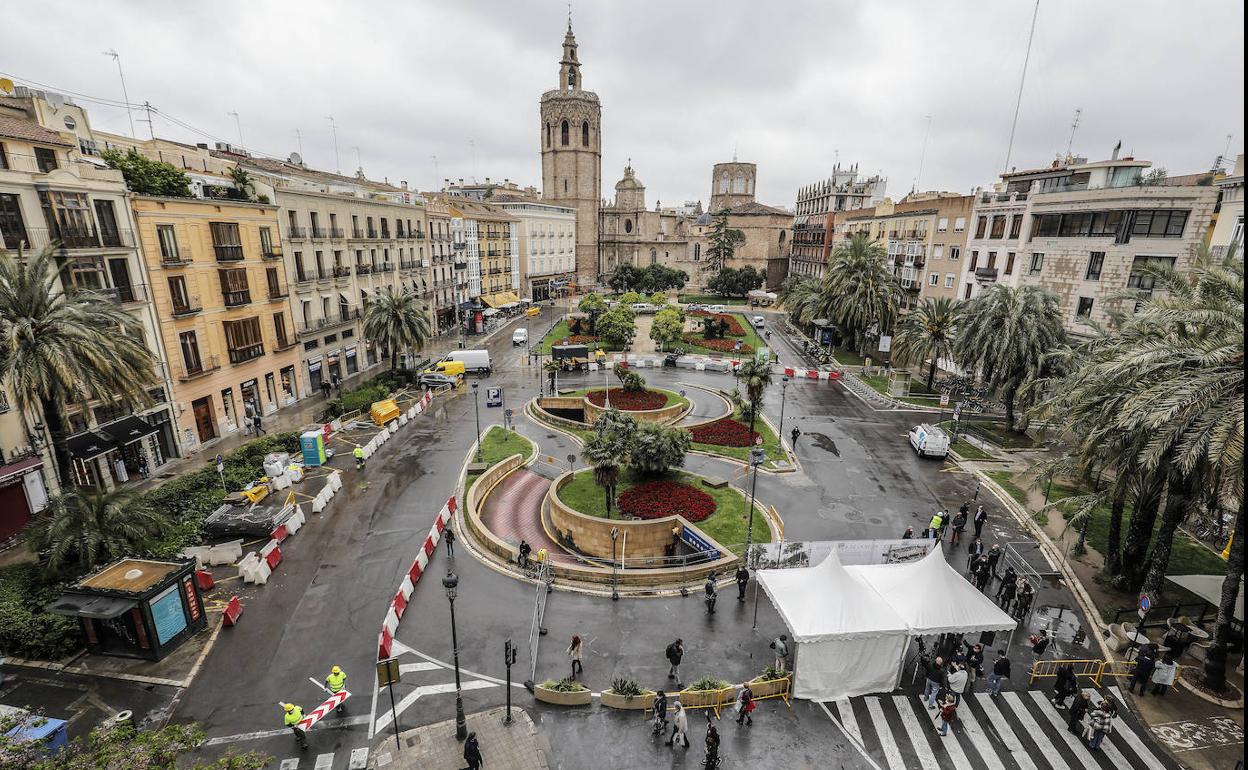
(1117, 149)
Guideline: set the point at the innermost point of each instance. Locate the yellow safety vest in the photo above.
(358, 452)
(935, 522)
(294, 716)
(336, 682)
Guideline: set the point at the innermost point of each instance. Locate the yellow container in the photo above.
(383, 412)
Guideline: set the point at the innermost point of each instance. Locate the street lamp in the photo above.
(615, 594)
(450, 582)
(606, 385)
(784, 391)
(757, 456)
(476, 408)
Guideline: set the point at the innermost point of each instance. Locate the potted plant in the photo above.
(565, 692)
(770, 682)
(625, 693)
(707, 692)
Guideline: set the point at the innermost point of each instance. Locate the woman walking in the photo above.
(1163, 675)
(948, 713)
(680, 726)
(574, 652)
(1065, 686)
(1103, 717)
(745, 705)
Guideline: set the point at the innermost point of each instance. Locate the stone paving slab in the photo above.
(518, 746)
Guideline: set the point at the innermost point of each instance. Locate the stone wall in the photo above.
(665, 415)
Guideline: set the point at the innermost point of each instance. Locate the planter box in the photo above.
(635, 703)
(768, 688)
(705, 698)
(578, 698)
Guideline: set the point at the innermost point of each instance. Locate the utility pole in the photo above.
(923, 153)
(112, 52)
(147, 107)
(333, 128)
(1074, 126)
(299, 139)
(1009, 150)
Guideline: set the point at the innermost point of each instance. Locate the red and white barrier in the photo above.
(398, 605)
(233, 608)
(323, 710)
(810, 374)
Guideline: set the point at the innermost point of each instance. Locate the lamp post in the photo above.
(757, 456)
(476, 408)
(615, 594)
(606, 385)
(450, 582)
(784, 391)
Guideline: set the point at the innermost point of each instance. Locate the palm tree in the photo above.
(58, 347)
(395, 319)
(757, 376)
(244, 186)
(84, 529)
(1005, 334)
(928, 331)
(860, 292)
(607, 450)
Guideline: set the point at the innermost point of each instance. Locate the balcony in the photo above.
(229, 253)
(236, 298)
(492, 253)
(419, 235)
(371, 235)
(301, 276)
(311, 328)
(363, 269)
(461, 265)
(246, 353)
(385, 235)
(986, 274)
(342, 271)
(271, 252)
(319, 233)
(127, 295)
(324, 273)
(283, 343)
(408, 264)
(297, 233)
(912, 285)
(459, 245)
(188, 308)
(335, 233)
(278, 292)
(181, 259)
(357, 233)
(198, 369)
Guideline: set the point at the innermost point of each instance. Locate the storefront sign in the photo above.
(191, 601)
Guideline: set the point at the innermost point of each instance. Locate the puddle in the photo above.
(825, 443)
(1062, 623)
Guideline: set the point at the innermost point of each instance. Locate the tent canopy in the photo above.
(827, 602)
(1209, 588)
(932, 598)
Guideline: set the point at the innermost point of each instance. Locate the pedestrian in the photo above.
(948, 713)
(994, 558)
(574, 653)
(965, 508)
(975, 664)
(335, 682)
(745, 705)
(1163, 675)
(257, 423)
(1065, 685)
(1000, 671)
(680, 726)
(975, 549)
(797, 432)
(959, 526)
(1103, 717)
(472, 752)
(525, 550)
(908, 534)
(781, 646)
(1005, 594)
(936, 524)
(448, 535)
(711, 593)
(1078, 709)
(712, 746)
(675, 651)
(934, 679)
(358, 452)
(1177, 639)
(325, 388)
(1026, 594)
(660, 713)
(249, 416)
(743, 579)
(981, 573)
(292, 718)
(337, 383)
(981, 517)
(1010, 579)
(958, 678)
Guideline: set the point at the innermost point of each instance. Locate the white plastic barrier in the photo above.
(335, 478)
(278, 483)
(221, 553)
(394, 427)
(318, 503)
(402, 418)
(295, 473)
(254, 569)
(294, 522)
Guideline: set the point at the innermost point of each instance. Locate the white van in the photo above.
(473, 360)
(715, 308)
(520, 337)
(642, 307)
(929, 441)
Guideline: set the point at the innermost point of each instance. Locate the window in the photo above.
(1037, 263)
(585, 134)
(234, 289)
(547, 136)
(178, 296)
(563, 133)
(12, 226)
(1009, 263)
(189, 344)
(628, 225)
(266, 242)
(992, 259)
(974, 261)
(938, 251)
(1096, 260)
(1085, 308)
(1143, 281)
(1045, 225)
(279, 330)
(4, 161)
(45, 159)
(959, 224)
(226, 241)
(998, 227)
(1159, 224)
(981, 227)
(949, 279)
(1016, 226)
(274, 282)
(243, 339)
(942, 224)
(955, 253)
(106, 220)
(934, 279)
(69, 217)
(168, 244)
(967, 293)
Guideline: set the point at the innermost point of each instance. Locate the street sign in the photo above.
(944, 399)
(886, 343)
(387, 672)
(220, 462)
(494, 396)
(1146, 604)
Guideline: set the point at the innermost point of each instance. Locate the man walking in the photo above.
(660, 713)
(936, 525)
(959, 526)
(711, 593)
(994, 557)
(975, 550)
(743, 579)
(448, 535)
(675, 651)
(1079, 708)
(525, 550)
(292, 718)
(934, 679)
(745, 705)
(981, 517)
(1009, 584)
(1000, 670)
(797, 432)
(472, 752)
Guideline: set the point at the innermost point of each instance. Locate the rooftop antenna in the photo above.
(1074, 126)
(147, 107)
(435, 170)
(239, 125)
(734, 152)
(359, 165)
(922, 153)
(112, 52)
(333, 128)
(1009, 150)
(299, 139)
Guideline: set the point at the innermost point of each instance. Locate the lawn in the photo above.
(924, 397)
(771, 445)
(727, 524)
(710, 299)
(498, 445)
(555, 336)
(996, 433)
(970, 451)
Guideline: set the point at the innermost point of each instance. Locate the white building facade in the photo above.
(543, 248)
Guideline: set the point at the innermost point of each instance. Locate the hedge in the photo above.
(27, 631)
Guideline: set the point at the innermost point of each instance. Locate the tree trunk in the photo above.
(1010, 394)
(60, 448)
(1178, 494)
(1214, 676)
(394, 359)
(1113, 554)
(931, 375)
(607, 490)
(1139, 532)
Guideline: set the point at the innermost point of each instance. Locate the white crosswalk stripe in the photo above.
(1033, 729)
(927, 760)
(1076, 744)
(848, 720)
(1133, 740)
(971, 729)
(885, 735)
(1003, 729)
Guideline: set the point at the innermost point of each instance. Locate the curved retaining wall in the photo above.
(666, 414)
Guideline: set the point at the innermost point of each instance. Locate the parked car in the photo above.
(438, 380)
(758, 321)
(929, 441)
(642, 307)
(520, 337)
(693, 307)
(715, 308)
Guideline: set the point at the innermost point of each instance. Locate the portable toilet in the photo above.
(53, 734)
(313, 445)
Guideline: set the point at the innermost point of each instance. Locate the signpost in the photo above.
(509, 658)
(494, 396)
(388, 676)
(944, 402)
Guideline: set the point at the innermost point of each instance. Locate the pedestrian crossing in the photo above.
(1015, 731)
(356, 759)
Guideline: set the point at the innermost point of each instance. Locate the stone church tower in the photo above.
(572, 156)
(732, 184)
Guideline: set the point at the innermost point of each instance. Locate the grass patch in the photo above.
(997, 433)
(727, 524)
(847, 357)
(710, 299)
(557, 334)
(1005, 479)
(771, 445)
(970, 451)
(498, 444)
(750, 338)
(879, 382)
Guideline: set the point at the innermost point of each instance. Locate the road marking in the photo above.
(1033, 729)
(384, 718)
(222, 739)
(915, 730)
(1008, 739)
(857, 742)
(885, 735)
(448, 666)
(1136, 744)
(1107, 748)
(970, 726)
(325, 761)
(848, 720)
(411, 668)
(359, 759)
(289, 764)
(950, 742)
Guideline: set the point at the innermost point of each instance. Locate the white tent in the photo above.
(848, 642)
(932, 598)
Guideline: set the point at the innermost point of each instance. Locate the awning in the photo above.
(500, 299)
(84, 606)
(89, 445)
(128, 430)
(1209, 588)
(19, 468)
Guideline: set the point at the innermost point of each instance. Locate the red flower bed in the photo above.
(725, 432)
(656, 499)
(735, 329)
(636, 401)
(581, 339)
(725, 345)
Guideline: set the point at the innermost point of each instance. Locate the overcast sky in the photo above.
(790, 85)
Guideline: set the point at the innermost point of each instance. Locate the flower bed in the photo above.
(656, 499)
(735, 329)
(724, 432)
(634, 401)
(582, 339)
(722, 345)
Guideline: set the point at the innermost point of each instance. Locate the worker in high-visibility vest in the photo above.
(335, 683)
(294, 715)
(359, 457)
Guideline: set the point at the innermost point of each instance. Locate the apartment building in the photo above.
(1228, 231)
(546, 244)
(448, 272)
(220, 289)
(56, 193)
(491, 248)
(1082, 230)
(816, 212)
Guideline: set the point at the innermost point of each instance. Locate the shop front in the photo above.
(136, 608)
(316, 374)
(349, 358)
(117, 452)
(22, 494)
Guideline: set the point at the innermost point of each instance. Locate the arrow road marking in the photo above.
(384, 718)
(345, 722)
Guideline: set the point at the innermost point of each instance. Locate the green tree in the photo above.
(668, 326)
(591, 302)
(799, 296)
(860, 292)
(928, 331)
(1005, 334)
(657, 448)
(616, 326)
(657, 277)
(722, 244)
(395, 320)
(607, 450)
(625, 277)
(148, 177)
(630, 381)
(756, 376)
(120, 747)
(244, 188)
(631, 298)
(81, 530)
(58, 348)
(658, 298)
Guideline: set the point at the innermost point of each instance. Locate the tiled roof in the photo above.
(284, 167)
(754, 207)
(30, 131)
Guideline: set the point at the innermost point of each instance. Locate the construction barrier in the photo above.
(233, 608)
(203, 579)
(402, 597)
(1096, 670)
(323, 710)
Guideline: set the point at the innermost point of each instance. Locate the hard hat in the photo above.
(335, 670)
(288, 706)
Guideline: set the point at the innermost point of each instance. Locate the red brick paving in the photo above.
(513, 511)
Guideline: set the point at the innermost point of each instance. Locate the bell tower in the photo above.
(571, 147)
